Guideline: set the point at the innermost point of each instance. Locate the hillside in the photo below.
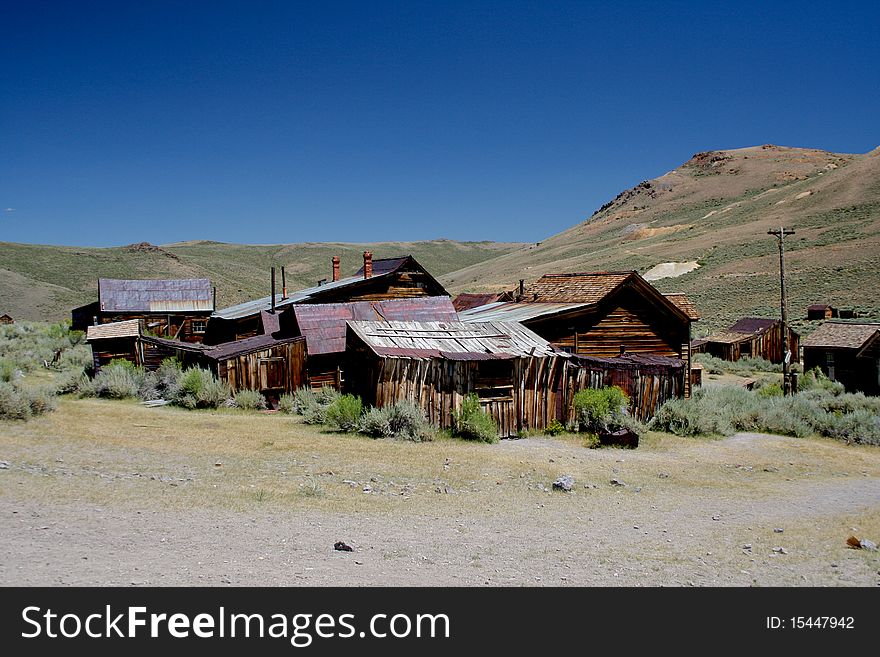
(45, 282)
(714, 211)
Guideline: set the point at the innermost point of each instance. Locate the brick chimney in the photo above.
(368, 264)
(335, 268)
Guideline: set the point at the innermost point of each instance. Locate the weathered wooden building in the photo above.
(750, 336)
(516, 374)
(601, 315)
(377, 280)
(177, 309)
(324, 328)
(821, 311)
(6, 319)
(466, 301)
(846, 352)
(115, 341)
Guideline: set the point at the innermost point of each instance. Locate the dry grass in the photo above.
(477, 513)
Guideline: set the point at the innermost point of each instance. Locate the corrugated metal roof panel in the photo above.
(158, 295)
(510, 311)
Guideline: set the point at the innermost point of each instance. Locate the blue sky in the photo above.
(268, 122)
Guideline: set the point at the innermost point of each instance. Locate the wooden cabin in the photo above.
(6, 319)
(601, 315)
(115, 341)
(516, 374)
(377, 280)
(324, 328)
(751, 336)
(846, 352)
(819, 311)
(177, 309)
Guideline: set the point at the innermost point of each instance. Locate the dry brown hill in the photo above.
(714, 211)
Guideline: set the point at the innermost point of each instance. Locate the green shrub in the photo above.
(122, 362)
(815, 379)
(327, 395)
(344, 413)
(313, 405)
(472, 423)
(377, 423)
(115, 381)
(743, 367)
(22, 403)
(286, 404)
(769, 390)
(70, 382)
(554, 428)
(599, 409)
(249, 400)
(8, 371)
(407, 421)
(197, 388)
(302, 399)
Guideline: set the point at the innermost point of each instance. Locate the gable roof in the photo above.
(466, 301)
(158, 295)
(842, 335)
(130, 328)
(225, 350)
(557, 294)
(324, 325)
(381, 267)
(684, 304)
(752, 325)
(451, 340)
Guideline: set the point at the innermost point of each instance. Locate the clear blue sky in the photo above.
(281, 122)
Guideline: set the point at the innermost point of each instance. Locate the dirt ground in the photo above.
(111, 493)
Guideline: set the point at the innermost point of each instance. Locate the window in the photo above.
(494, 380)
(198, 325)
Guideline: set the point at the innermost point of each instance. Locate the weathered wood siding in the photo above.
(400, 285)
(768, 345)
(275, 370)
(103, 351)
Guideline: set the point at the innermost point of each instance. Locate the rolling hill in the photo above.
(44, 282)
(710, 217)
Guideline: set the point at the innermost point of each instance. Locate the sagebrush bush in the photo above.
(727, 409)
(407, 421)
(815, 379)
(198, 388)
(70, 382)
(344, 413)
(376, 422)
(554, 428)
(8, 371)
(114, 381)
(313, 405)
(249, 400)
(744, 366)
(22, 403)
(599, 409)
(286, 404)
(473, 423)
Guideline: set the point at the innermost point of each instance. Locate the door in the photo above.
(272, 373)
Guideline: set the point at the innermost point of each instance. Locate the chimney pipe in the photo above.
(215, 298)
(368, 264)
(273, 290)
(283, 284)
(335, 268)
(522, 289)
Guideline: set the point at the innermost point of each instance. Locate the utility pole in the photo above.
(786, 351)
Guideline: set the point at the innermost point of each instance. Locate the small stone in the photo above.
(341, 546)
(780, 550)
(868, 545)
(617, 482)
(368, 488)
(778, 530)
(564, 483)
(4, 465)
(716, 517)
(771, 468)
(747, 546)
(216, 465)
(663, 475)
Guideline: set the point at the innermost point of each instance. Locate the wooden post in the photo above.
(786, 353)
(273, 290)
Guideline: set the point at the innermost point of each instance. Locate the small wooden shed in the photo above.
(821, 311)
(6, 319)
(847, 352)
(516, 374)
(115, 341)
(750, 336)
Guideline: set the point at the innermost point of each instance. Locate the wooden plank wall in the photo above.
(243, 372)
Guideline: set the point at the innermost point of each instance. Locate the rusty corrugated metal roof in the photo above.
(155, 295)
(324, 326)
(431, 339)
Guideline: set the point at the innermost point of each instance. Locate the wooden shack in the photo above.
(6, 319)
(751, 336)
(377, 280)
(846, 352)
(516, 374)
(601, 315)
(819, 311)
(324, 328)
(115, 341)
(177, 309)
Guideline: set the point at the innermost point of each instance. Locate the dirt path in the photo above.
(663, 527)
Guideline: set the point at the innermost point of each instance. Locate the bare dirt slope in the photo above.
(107, 493)
(715, 210)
